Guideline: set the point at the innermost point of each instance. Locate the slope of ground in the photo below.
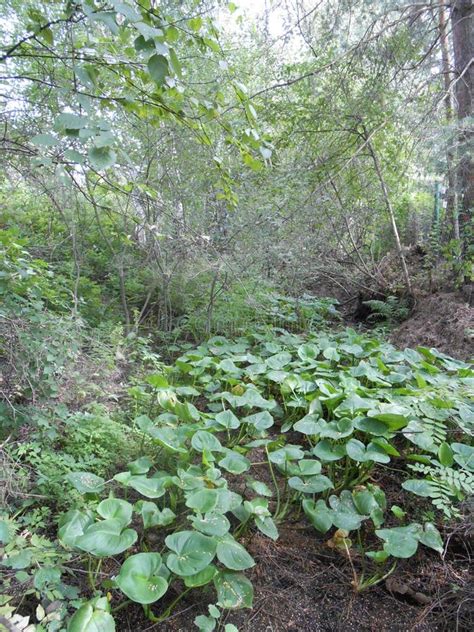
(442, 320)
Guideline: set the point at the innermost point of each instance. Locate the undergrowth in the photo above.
(161, 491)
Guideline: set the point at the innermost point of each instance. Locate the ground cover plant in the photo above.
(319, 416)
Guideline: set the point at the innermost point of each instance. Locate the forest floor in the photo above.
(303, 585)
(443, 320)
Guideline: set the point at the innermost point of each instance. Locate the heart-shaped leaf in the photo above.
(233, 555)
(139, 578)
(234, 590)
(266, 525)
(234, 462)
(158, 68)
(206, 441)
(73, 524)
(149, 487)
(311, 484)
(261, 420)
(285, 454)
(400, 541)
(319, 515)
(192, 552)
(227, 420)
(327, 451)
(86, 482)
(357, 451)
(152, 516)
(92, 616)
(211, 524)
(345, 514)
(117, 509)
(105, 538)
(202, 578)
(203, 500)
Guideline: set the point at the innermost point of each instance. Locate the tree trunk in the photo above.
(462, 21)
(451, 194)
(391, 214)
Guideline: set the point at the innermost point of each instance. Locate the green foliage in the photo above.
(391, 311)
(151, 196)
(351, 403)
(88, 442)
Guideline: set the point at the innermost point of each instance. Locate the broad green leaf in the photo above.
(420, 487)
(92, 617)
(400, 541)
(308, 467)
(73, 524)
(279, 360)
(74, 156)
(234, 462)
(148, 487)
(311, 484)
(327, 451)
(345, 514)
(227, 420)
(308, 352)
(331, 353)
(106, 538)
(309, 425)
(319, 515)
(158, 68)
(86, 482)
(353, 404)
(202, 578)
(261, 420)
(266, 525)
(44, 140)
(101, 157)
(139, 579)
(117, 509)
(336, 429)
(152, 516)
(192, 552)
(206, 441)
(170, 438)
(211, 524)
(234, 590)
(371, 426)
(445, 454)
(463, 455)
(205, 624)
(140, 466)
(285, 454)
(68, 120)
(233, 555)
(203, 500)
(357, 451)
(431, 537)
(395, 416)
(4, 532)
(260, 488)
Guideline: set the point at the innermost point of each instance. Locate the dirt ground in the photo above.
(442, 320)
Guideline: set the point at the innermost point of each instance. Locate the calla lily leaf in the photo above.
(105, 538)
(192, 552)
(139, 578)
(234, 590)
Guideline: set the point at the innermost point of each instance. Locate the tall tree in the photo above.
(462, 17)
